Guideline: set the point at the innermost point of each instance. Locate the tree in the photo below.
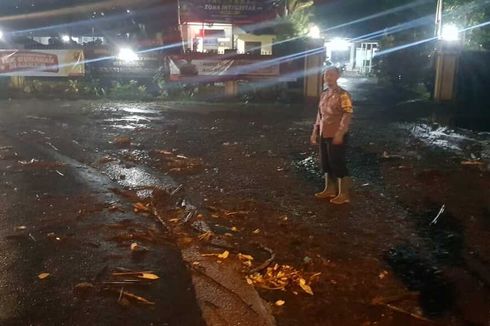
(468, 13)
(295, 18)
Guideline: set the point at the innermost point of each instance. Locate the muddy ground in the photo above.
(248, 174)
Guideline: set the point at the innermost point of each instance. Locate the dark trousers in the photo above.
(332, 157)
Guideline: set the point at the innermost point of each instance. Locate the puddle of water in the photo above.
(136, 177)
(419, 274)
(128, 127)
(138, 110)
(132, 118)
(458, 141)
(308, 166)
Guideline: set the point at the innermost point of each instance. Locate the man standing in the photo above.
(330, 132)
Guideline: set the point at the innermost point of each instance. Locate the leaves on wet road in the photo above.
(43, 276)
(282, 277)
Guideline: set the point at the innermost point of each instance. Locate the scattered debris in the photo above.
(61, 174)
(280, 303)
(136, 248)
(43, 276)
(472, 162)
(52, 146)
(172, 162)
(122, 141)
(135, 276)
(140, 207)
(382, 275)
(282, 277)
(134, 297)
(443, 208)
(83, 289)
(201, 226)
(176, 190)
(392, 156)
(206, 236)
(225, 254)
(265, 264)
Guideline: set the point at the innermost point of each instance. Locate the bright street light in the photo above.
(339, 44)
(314, 32)
(65, 38)
(450, 33)
(127, 55)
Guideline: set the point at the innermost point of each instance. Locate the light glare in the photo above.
(450, 33)
(314, 32)
(127, 55)
(339, 44)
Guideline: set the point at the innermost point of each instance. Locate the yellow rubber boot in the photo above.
(330, 190)
(343, 196)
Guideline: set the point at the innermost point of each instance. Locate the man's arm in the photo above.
(346, 104)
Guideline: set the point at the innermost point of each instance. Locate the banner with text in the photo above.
(219, 69)
(42, 63)
(227, 11)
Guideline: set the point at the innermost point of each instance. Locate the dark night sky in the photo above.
(328, 13)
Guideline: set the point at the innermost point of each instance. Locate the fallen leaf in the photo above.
(42, 276)
(137, 298)
(206, 236)
(148, 276)
(140, 207)
(224, 255)
(280, 303)
(245, 257)
(256, 231)
(304, 286)
(234, 229)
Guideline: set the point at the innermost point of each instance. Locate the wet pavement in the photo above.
(82, 181)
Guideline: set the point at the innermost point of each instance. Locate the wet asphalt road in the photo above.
(56, 218)
(61, 160)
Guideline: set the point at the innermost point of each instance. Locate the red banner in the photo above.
(216, 68)
(42, 63)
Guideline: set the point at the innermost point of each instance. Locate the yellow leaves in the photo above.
(148, 276)
(136, 298)
(280, 303)
(145, 275)
(206, 236)
(243, 257)
(304, 286)
(282, 277)
(224, 255)
(43, 276)
(140, 207)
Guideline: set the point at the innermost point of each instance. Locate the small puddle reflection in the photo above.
(136, 177)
